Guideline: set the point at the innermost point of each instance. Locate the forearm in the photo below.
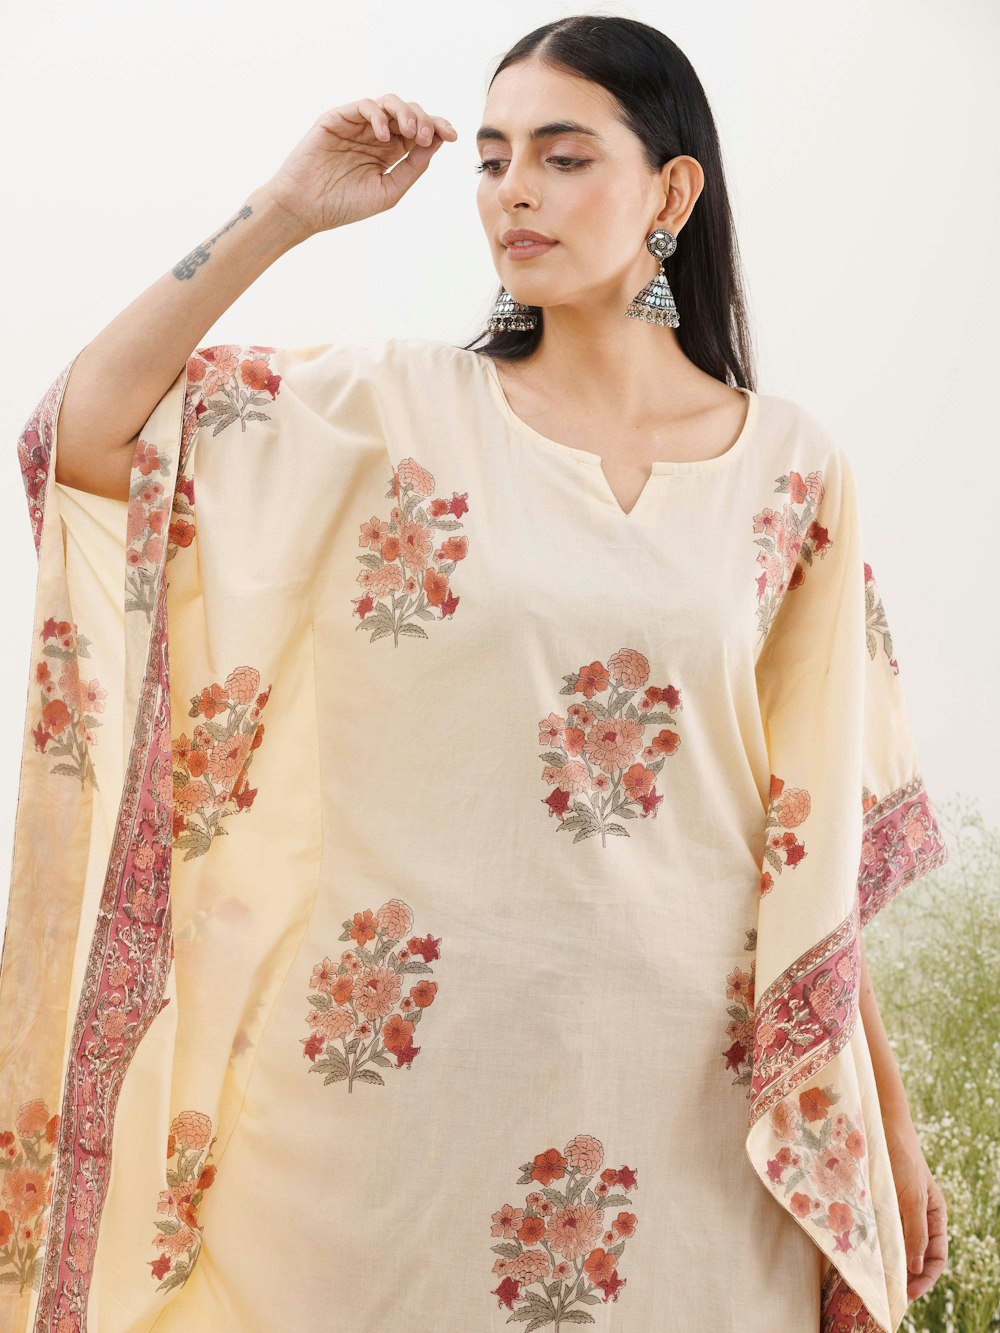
(888, 1081)
(120, 375)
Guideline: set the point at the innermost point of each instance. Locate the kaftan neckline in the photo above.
(659, 466)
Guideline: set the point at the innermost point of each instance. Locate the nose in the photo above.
(516, 187)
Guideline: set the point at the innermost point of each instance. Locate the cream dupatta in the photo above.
(87, 947)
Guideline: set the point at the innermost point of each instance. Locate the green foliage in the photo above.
(934, 956)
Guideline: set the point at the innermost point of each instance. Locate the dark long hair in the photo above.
(663, 103)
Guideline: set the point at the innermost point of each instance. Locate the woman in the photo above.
(550, 714)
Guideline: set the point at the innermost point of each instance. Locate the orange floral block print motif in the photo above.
(233, 384)
(739, 989)
(26, 1157)
(145, 526)
(602, 766)
(787, 809)
(69, 705)
(210, 771)
(359, 1002)
(819, 1167)
(559, 1253)
(180, 534)
(876, 624)
(790, 540)
(225, 384)
(404, 577)
(190, 1142)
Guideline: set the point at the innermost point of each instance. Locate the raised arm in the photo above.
(119, 377)
(338, 173)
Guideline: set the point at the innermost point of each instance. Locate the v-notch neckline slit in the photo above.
(658, 467)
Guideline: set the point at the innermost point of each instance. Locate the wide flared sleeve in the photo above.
(97, 689)
(902, 839)
(169, 783)
(848, 824)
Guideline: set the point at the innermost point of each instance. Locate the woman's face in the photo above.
(593, 193)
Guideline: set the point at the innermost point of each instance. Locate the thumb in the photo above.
(408, 169)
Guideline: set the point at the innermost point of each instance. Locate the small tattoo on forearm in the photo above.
(189, 265)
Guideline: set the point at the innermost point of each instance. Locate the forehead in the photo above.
(533, 100)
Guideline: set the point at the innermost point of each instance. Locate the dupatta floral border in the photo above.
(809, 1012)
(132, 945)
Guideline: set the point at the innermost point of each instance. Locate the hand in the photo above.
(921, 1208)
(339, 173)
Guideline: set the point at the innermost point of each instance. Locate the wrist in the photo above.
(280, 230)
(896, 1115)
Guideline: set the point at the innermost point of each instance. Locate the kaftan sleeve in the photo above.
(849, 822)
(901, 838)
(169, 780)
(78, 722)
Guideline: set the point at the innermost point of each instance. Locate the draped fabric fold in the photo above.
(849, 824)
(135, 760)
(87, 945)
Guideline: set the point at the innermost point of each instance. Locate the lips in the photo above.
(523, 234)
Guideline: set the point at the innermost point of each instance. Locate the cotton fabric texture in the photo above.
(437, 894)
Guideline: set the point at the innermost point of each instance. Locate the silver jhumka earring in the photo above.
(655, 303)
(509, 314)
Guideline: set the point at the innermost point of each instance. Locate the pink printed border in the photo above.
(807, 1014)
(842, 1310)
(34, 452)
(805, 1017)
(107, 1032)
(901, 842)
(122, 992)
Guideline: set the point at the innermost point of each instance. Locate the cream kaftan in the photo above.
(453, 913)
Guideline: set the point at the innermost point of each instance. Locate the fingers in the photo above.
(408, 169)
(912, 1193)
(410, 119)
(915, 1234)
(934, 1253)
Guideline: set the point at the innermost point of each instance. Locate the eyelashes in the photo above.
(573, 163)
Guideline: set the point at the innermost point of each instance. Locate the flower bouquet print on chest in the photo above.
(405, 577)
(559, 1253)
(605, 754)
(360, 1016)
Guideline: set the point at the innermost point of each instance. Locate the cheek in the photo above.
(595, 225)
(588, 209)
(486, 200)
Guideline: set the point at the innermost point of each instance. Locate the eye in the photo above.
(572, 163)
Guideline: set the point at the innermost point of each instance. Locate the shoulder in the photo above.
(258, 381)
(431, 355)
(796, 434)
(386, 363)
(422, 371)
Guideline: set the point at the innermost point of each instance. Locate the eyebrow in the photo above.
(548, 131)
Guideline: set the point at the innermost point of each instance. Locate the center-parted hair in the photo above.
(661, 100)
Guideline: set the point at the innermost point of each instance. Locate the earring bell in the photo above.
(655, 303)
(509, 314)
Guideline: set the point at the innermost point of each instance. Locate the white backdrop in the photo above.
(860, 146)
